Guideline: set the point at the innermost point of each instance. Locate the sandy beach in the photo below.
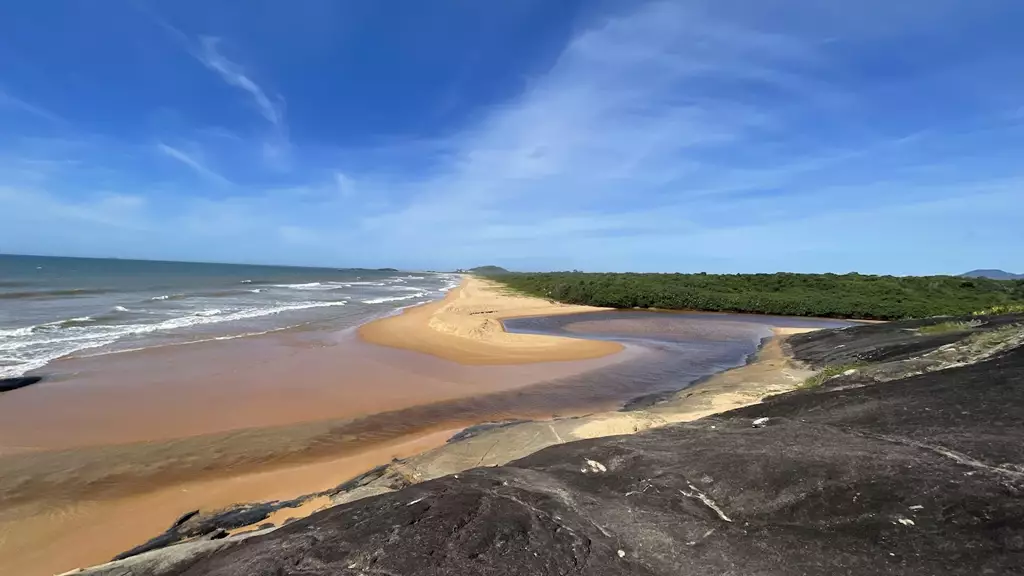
(466, 328)
(106, 453)
(95, 464)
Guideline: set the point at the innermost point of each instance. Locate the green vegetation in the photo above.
(825, 295)
(944, 327)
(1013, 333)
(826, 373)
(1004, 309)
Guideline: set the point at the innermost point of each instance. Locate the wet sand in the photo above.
(466, 328)
(50, 537)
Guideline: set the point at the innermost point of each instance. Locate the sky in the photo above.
(876, 136)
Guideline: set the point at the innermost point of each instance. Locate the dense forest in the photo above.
(827, 295)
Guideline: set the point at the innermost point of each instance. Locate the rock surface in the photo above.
(904, 475)
(8, 384)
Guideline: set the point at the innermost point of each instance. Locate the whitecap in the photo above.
(69, 322)
(394, 298)
(322, 286)
(16, 332)
(305, 286)
(32, 351)
(121, 309)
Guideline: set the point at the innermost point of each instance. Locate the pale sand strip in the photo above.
(466, 328)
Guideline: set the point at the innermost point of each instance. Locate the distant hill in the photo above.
(993, 274)
(486, 270)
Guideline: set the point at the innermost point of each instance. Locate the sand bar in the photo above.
(466, 328)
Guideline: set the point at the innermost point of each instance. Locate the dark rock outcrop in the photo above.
(889, 342)
(918, 475)
(8, 384)
(213, 526)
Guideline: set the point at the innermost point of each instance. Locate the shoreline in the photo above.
(647, 401)
(428, 453)
(768, 371)
(97, 461)
(466, 327)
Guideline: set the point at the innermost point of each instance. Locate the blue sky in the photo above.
(714, 135)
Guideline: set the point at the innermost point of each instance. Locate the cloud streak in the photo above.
(193, 163)
(9, 101)
(271, 108)
(235, 76)
(673, 127)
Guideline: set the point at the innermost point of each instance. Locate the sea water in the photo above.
(52, 308)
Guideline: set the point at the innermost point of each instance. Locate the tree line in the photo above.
(825, 295)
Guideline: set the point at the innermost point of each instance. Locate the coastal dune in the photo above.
(466, 328)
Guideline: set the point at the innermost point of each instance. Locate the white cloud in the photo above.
(272, 108)
(346, 186)
(193, 163)
(668, 130)
(234, 75)
(621, 113)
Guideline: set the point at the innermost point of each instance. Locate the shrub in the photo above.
(825, 295)
(826, 373)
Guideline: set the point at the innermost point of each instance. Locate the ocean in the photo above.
(53, 308)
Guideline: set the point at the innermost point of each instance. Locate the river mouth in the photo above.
(671, 350)
(108, 436)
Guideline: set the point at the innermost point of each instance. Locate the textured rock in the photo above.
(885, 342)
(213, 526)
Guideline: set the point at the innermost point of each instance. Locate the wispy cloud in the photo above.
(234, 75)
(637, 105)
(675, 126)
(193, 163)
(723, 135)
(270, 107)
(9, 101)
(276, 146)
(346, 187)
